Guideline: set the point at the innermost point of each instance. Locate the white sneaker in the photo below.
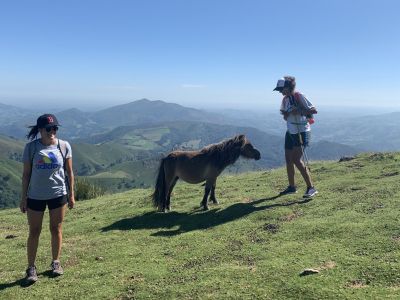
(311, 192)
(56, 268)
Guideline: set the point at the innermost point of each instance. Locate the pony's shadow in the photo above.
(189, 221)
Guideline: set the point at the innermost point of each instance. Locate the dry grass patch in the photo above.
(356, 284)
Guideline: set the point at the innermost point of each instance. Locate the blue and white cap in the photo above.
(282, 83)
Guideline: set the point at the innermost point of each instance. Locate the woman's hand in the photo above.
(71, 202)
(23, 205)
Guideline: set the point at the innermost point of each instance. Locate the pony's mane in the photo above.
(226, 152)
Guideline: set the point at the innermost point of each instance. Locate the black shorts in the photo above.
(40, 205)
(293, 140)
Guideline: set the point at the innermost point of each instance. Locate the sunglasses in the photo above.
(55, 128)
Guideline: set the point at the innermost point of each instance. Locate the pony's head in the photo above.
(228, 151)
(247, 150)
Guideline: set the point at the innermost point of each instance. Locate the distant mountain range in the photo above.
(370, 133)
(120, 147)
(79, 124)
(366, 133)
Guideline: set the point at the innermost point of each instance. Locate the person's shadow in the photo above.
(23, 283)
(20, 282)
(189, 221)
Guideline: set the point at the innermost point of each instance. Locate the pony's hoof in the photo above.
(205, 208)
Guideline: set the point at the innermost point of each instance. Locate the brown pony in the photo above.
(199, 166)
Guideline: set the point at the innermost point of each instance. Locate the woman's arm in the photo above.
(306, 106)
(71, 182)
(307, 111)
(26, 177)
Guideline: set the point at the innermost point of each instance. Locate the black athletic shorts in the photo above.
(40, 205)
(293, 140)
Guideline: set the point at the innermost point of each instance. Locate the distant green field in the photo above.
(153, 134)
(118, 174)
(253, 245)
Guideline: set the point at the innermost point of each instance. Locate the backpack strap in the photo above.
(62, 146)
(297, 99)
(32, 152)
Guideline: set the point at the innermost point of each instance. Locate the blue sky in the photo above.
(92, 54)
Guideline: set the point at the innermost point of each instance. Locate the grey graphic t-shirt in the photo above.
(47, 177)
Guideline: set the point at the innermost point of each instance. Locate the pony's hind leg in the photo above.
(170, 180)
(168, 204)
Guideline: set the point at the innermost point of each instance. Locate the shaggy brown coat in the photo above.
(199, 166)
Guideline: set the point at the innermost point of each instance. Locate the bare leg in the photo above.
(297, 154)
(35, 219)
(56, 219)
(290, 166)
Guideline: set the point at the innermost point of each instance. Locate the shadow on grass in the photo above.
(48, 273)
(23, 283)
(189, 221)
(20, 282)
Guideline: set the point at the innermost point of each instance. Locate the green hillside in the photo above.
(88, 159)
(10, 183)
(10, 171)
(253, 245)
(11, 148)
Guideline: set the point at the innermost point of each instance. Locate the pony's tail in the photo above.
(159, 190)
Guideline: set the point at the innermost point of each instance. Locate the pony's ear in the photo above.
(241, 138)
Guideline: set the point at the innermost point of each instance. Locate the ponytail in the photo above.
(292, 82)
(32, 133)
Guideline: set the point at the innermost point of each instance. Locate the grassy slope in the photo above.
(252, 245)
(10, 171)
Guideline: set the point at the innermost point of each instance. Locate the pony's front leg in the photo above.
(205, 198)
(212, 196)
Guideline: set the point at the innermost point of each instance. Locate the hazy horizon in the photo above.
(342, 109)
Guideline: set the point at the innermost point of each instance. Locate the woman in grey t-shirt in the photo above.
(46, 159)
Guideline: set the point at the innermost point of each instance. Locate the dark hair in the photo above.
(292, 81)
(33, 132)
